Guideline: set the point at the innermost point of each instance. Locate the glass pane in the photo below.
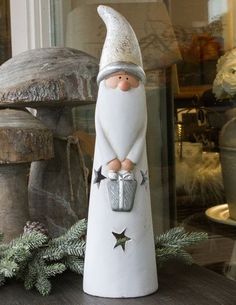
(149, 20)
(185, 118)
(204, 35)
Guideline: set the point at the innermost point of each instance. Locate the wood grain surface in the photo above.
(48, 76)
(23, 138)
(178, 285)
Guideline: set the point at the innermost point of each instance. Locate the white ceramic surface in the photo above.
(111, 270)
(120, 42)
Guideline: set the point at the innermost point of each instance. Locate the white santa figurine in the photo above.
(120, 252)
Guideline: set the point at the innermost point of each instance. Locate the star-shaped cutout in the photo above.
(121, 239)
(144, 177)
(98, 176)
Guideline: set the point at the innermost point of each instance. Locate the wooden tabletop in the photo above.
(178, 285)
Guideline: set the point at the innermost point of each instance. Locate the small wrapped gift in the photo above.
(121, 191)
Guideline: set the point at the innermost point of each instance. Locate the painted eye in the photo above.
(119, 77)
(127, 78)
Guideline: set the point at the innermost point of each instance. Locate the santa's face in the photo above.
(121, 112)
(121, 80)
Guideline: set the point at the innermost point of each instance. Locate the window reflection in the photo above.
(202, 30)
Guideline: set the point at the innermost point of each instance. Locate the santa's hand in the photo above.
(127, 165)
(114, 165)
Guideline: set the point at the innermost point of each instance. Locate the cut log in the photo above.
(23, 139)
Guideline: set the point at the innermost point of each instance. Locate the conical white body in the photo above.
(111, 271)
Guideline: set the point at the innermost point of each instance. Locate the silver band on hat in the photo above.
(121, 66)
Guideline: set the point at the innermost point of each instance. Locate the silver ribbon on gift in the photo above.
(121, 191)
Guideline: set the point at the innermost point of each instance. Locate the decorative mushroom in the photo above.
(53, 80)
(23, 139)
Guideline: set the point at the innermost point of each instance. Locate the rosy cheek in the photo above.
(134, 82)
(111, 82)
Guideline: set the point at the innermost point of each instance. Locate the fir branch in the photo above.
(43, 285)
(77, 231)
(18, 253)
(31, 241)
(177, 237)
(34, 258)
(37, 277)
(166, 254)
(20, 275)
(75, 248)
(54, 269)
(52, 252)
(75, 264)
(30, 276)
(8, 268)
(39, 273)
(170, 245)
(54, 258)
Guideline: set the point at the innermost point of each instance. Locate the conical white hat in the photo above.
(121, 49)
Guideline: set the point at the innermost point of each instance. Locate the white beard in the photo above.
(122, 117)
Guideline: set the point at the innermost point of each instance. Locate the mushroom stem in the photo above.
(13, 199)
(23, 139)
(57, 194)
(59, 120)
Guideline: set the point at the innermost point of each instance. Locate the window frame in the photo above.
(30, 25)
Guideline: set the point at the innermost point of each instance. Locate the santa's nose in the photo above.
(124, 85)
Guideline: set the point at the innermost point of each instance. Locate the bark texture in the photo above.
(23, 138)
(48, 76)
(13, 199)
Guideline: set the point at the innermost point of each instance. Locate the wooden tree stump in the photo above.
(23, 139)
(53, 80)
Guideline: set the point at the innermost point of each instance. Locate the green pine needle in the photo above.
(165, 254)
(52, 252)
(77, 231)
(177, 237)
(34, 258)
(31, 241)
(43, 285)
(75, 264)
(75, 248)
(170, 245)
(30, 277)
(54, 269)
(50, 260)
(8, 268)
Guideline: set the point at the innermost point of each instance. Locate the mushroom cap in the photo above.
(48, 77)
(23, 138)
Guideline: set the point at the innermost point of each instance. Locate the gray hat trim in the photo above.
(121, 66)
